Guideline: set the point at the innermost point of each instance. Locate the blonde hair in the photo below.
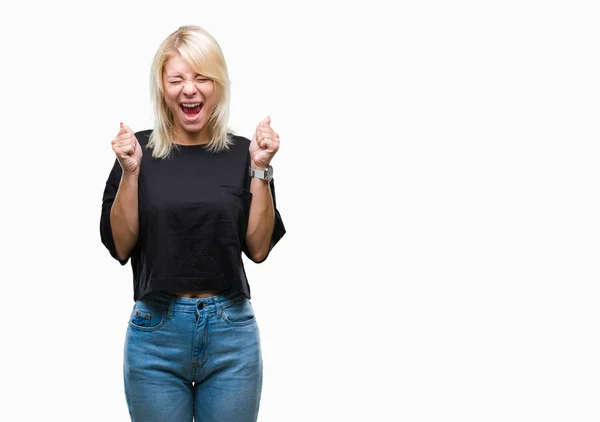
(202, 52)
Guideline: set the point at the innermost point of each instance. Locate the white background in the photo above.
(438, 178)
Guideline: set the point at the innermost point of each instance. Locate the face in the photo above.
(190, 96)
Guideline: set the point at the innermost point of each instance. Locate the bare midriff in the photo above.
(201, 294)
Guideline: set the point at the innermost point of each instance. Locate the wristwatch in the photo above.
(262, 174)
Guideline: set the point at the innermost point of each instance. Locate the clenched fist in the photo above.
(128, 150)
(264, 145)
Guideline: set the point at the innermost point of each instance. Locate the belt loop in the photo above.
(171, 305)
(219, 305)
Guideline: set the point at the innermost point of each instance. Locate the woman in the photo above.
(183, 201)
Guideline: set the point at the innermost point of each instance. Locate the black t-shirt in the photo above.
(193, 213)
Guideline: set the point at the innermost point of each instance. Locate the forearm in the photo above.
(124, 221)
(261, 220)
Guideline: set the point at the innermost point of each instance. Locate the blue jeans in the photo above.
(188, 358)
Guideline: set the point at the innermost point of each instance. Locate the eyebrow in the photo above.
(177, 75)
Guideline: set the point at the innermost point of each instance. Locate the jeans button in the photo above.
(200, 306)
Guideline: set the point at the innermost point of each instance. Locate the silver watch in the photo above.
(262, 174)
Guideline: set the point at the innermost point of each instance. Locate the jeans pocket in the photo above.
(239, 314)
(148, 316)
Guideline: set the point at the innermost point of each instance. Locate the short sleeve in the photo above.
(110, 192)
(278, 228)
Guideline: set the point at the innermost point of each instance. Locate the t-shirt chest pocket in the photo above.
(236, 207)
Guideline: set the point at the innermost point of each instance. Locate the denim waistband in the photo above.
(190, 304)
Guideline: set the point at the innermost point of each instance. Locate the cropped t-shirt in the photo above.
(193, 214)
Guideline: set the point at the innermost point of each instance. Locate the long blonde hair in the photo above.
(204, 55)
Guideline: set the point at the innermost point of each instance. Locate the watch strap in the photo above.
(266, 174)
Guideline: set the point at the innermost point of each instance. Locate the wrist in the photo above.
(130, 177)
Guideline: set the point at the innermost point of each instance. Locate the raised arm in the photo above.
(262, 219)
(120, 232)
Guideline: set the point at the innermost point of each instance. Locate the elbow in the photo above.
(121, 256)
(258, 247)
(258, 257)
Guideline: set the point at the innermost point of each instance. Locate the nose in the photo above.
(189, 88)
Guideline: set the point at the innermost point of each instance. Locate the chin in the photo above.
(192, 127)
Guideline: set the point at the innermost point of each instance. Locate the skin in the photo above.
(183, 85)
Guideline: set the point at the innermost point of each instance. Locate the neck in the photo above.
(183, 137)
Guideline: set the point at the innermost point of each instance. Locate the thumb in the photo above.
(267, 120)
(126, 128)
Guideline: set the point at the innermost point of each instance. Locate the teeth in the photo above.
(191, 105)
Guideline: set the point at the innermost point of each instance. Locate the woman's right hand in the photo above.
(128, 150)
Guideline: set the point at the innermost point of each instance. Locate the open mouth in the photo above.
(191, 109)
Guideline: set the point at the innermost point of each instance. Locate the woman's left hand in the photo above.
(264, 145)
